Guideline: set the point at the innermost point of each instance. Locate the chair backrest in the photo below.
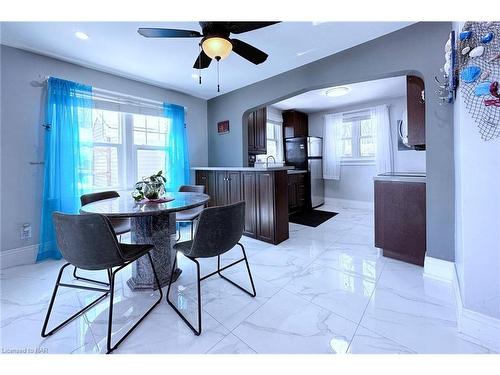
(219, 230)
(94, 197)
(87, 241)
(192, 188)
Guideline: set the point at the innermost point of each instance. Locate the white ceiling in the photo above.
(362, 92)
(116, 47)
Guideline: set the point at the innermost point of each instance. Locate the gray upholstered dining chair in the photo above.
(219, 230)
(89, 243)
(190, 215)
(120, 225)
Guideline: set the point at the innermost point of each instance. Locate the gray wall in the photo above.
(356, 181)
(477, 166)
(22, 133)
(418, 50)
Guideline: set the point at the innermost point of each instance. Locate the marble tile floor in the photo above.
(324, 290)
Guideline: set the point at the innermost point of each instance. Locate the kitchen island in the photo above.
(264, 190)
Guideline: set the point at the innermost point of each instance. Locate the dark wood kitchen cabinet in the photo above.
(249, 195)
(265, 196)
(207, 179)
(415, 104)
(295, 124)
(257, 123)
(296, 192)
(400, 222)
(227, 187)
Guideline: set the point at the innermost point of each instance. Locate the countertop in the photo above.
(401, 177)
(296, 171)
(258, 169)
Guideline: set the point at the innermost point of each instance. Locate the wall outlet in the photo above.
(26, 231)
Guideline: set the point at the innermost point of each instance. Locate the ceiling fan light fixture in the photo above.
(337, 91)
(216, 47)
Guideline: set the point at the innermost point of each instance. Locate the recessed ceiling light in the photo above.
(81, 35)
(301, 53)
(337, 91)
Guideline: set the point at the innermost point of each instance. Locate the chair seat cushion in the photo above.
(188, 215)
(183, 247)
(132, 252)
(121, 226)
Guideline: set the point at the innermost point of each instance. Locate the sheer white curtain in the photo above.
(332, 147)
(384, 155)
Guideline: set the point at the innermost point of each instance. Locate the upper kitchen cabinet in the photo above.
(295, 124)
(415, 101)
(257, 131)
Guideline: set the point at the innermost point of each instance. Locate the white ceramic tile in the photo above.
(231, 345)
(277, 267)
(228, 304)
(344, 294)
(410, 279)
(368, 342)
(361, 260)
(163, 331)
(422, 324)
(289, 324)
(328, 272)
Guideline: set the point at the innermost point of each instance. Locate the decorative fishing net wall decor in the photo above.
(478, 54)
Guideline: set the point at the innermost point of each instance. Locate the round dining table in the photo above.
(151, 223)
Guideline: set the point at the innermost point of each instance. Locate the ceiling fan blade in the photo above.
(248, 52)
(203, 61)
(243, 27)
(152, 32)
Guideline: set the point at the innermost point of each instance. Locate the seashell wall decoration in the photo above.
(479, 75)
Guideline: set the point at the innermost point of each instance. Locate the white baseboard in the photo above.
(439, 269)
(19, 256)
(347, 203)
(485, 329)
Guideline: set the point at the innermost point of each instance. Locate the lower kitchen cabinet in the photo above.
(265, 195)
(296, 192)
(207, 179)
(400, 223)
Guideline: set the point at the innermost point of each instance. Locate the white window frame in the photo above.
(356, 158)
(278, 138)
(121, 147)
(133, 177)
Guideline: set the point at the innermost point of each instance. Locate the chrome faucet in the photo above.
(267, 160)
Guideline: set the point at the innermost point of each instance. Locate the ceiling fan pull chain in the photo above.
(199, 66)
(218, 80)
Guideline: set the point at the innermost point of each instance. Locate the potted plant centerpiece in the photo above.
(151, 188)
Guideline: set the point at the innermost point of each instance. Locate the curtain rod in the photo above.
(352, 111)
(115, 94)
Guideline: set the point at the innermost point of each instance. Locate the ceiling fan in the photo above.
(215, 43)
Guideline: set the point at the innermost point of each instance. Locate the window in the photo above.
(150, 134)
(358, 139)
(126, 147)
(274, 142)
(107, 149)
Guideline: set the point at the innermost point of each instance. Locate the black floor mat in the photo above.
(311, 218)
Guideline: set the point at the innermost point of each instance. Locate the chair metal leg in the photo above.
(253, 293)
(197, 332)
(90, 280)
(52, 299)
(179, 237)
(110, 347)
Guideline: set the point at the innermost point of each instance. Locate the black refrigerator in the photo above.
(306, 153)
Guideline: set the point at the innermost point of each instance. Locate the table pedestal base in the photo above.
(158, 230)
